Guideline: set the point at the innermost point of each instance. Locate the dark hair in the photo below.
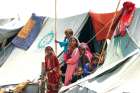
(48, 48)
(77, 42)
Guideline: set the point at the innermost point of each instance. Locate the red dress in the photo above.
(52, 69)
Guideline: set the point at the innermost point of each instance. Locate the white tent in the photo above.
(65, 8)
(24, 65)
(120, 71)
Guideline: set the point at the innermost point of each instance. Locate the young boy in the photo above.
(64, 43)
(79, 74)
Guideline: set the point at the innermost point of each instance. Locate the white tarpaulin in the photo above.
(120, 72)
(24, 65)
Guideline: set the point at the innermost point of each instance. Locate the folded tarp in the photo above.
(29, 32)
(30, 88)
(5, 53)
(101, 23)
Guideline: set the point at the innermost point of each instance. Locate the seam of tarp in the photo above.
(2, 58)
(81, 26)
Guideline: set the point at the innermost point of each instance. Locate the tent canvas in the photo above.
(117, 81)
(120, 71)
(26, 65)
(69, 4)
(29, 32)
(5, 52)
(10, 27)
(133, 30)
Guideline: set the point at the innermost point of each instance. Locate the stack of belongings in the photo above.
(2, 90)
(20, 87)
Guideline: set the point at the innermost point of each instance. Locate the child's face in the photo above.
(79, 71)
(82, 51)
(68, 35)
(48, 51)
(73, 42)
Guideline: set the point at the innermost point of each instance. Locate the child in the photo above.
(79, 74)
(85, 59)
(65, 43)
(73, 55)
(52, 70)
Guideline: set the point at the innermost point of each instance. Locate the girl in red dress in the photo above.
(52, 70)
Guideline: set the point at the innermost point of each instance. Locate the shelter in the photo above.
(120, 71)
(27, 64)
(24, 65)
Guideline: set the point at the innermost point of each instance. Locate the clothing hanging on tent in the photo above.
(29, 32)
(102, 22)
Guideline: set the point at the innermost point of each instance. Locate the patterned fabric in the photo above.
(71, 66)
(26, 29)
(128, 12)
(27, 35)
(52, 69)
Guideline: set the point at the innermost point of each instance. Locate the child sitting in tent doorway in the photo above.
(52, 70)
(85, 59)
(85, 63)
(78, 75)
(68, 33)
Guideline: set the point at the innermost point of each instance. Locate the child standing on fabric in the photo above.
(52, 70)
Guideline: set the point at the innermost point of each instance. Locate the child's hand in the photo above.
(45, 77)
(60, 72)
(56, 41)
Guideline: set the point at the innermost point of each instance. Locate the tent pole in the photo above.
(55, 26)
(102, 51)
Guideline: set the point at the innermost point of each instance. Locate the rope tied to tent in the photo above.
(99, 32)
(101, 56)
